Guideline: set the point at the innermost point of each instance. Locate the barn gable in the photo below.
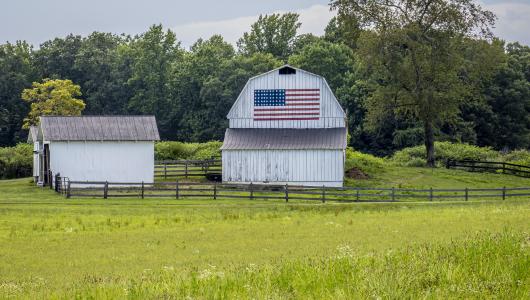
(286, 97)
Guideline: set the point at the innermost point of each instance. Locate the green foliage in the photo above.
(274, 34)
(17, 72)
(16, 162)
(179, 150)
(366, 163)
(52, 97)
(415, 156)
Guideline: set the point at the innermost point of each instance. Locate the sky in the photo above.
(39, 20)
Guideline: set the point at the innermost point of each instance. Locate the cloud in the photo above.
(314, 19)
(513, 22)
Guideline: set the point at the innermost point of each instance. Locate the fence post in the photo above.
(467, 194)
(357, 194)
(323, 194)
(106, 190)
(214, 190)
(393, 194)
(50, 178)
(177, 188)
(503, 193)
(142, 190)
(503, 168)
(286, 192)
(68, 190)
(251, 192)
(165, 170)
(186, 170)
(431, 196)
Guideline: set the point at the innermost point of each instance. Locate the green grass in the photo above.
(52, 247)
(415, 177)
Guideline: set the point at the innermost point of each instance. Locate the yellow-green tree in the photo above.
(52, 98)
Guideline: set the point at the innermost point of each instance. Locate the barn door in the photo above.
(46, 164)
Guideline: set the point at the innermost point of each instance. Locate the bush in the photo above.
(415, 156)
(519, 157)
(179, 150)
(366, 163)
(16, 162)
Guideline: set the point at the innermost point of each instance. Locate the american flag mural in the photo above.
(286, 104)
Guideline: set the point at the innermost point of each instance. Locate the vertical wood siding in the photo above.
(103, 161)
(297, 167)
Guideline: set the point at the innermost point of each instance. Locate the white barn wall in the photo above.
(103, 161)
(297, 167)
(331, 113)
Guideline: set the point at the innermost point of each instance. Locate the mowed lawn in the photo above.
(131, 248)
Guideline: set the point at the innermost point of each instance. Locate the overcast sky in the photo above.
(39, 20)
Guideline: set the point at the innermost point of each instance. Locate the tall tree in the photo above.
(332, 61)
(102, 83)
(52, 97)
(16, 73)
(413, 54)
(274, 34)
(152, 55)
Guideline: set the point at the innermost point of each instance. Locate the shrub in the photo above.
(16, 162)
(443, 151)
(519, 157)
(366, 163)
(179, 150)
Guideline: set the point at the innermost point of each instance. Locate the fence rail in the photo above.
(490, 166)
(211, 168)
(181, 190)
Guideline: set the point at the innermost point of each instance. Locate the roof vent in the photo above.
(287, 71)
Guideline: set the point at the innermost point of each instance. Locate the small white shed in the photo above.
(97, 148)
(286, 127)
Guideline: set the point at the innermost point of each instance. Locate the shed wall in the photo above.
(331, 114)
(103, 161)
(296, 167)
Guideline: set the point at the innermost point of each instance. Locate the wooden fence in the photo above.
(490, 166)
(180, 190)
(211, 168)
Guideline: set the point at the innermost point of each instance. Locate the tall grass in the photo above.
(481, 267)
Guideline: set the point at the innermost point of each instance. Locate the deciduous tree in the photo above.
(412, 51)
(52, 97)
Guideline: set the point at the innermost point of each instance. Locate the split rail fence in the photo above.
(188, 190)
(211, 168)
(490, 166)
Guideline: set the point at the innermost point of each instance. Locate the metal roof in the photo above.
(284, 139)
(99, 128)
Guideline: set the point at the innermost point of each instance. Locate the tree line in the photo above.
(406, 75)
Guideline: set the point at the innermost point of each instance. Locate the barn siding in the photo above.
(331, 114)
(303, 167)
(103, 161)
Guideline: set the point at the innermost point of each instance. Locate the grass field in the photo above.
(52, 247)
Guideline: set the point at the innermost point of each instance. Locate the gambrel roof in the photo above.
(286, 97)
(99, 128)
(284, 139)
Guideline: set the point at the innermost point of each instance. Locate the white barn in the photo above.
(286, 127)
(96, 148)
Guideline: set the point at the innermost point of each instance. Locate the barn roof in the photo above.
(284, 139)
(99, 128)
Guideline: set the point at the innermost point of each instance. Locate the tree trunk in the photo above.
(429, 142)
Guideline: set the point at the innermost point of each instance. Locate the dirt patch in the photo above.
(356, 174)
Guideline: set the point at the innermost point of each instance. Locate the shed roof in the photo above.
(99, 128)
(284, 139)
